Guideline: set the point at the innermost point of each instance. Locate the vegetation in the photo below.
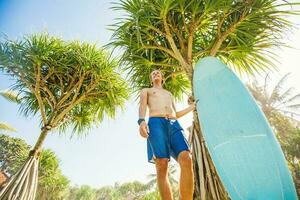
(282, 109)
(70, 84)
(14, 152)
(53, 185)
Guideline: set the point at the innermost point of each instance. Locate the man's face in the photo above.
(156, 75)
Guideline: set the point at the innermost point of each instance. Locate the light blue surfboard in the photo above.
(244, 150)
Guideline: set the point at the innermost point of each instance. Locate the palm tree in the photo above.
(131, 190)
(279, 105)
(70, 84)
(6, 127)
(173, 35)
(172, 170)
(171, 174)
(12, 97)
(154, 195)
(84, 192)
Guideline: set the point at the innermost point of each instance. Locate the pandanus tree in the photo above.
(69, 84)
(173, 35)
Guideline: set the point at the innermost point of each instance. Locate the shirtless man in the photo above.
(165, 137)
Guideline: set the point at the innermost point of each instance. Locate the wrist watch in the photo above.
(140, 121)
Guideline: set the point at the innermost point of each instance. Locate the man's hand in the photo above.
(143, 129)
(192, 102)
(194, 105)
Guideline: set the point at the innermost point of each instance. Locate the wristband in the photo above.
(140, 121)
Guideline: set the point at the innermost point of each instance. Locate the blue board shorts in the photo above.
(165, 139)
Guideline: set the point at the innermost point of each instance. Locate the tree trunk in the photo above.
(23, 185)
(208, 185)
(38, 145)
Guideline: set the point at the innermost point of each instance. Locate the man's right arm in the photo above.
(143, 103)
(142, 112)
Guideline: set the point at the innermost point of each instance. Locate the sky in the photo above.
(114, 151)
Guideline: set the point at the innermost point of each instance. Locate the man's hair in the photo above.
(162, 76)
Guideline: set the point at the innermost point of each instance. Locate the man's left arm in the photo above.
(184, 111)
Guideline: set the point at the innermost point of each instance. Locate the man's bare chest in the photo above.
(158, 94)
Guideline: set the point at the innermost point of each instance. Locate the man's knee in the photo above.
(184, 159)
(161, 165)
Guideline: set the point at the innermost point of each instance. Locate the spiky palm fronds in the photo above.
(10, 96)
(6, 127)
(172, 35)
(70, 84)
(172, 170)
(279, 99)
(66, 82)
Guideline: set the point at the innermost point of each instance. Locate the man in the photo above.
(165, 137)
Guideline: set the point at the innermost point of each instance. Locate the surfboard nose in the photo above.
(212, 66)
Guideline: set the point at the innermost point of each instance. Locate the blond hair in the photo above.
(162, 76)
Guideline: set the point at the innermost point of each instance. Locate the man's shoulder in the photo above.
(170, 93)
(144, 90)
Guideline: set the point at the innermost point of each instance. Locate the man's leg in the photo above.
(162, 178)
(186, 182)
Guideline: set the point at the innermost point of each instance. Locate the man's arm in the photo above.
(184, 111)
(143, 103)
(142, 112)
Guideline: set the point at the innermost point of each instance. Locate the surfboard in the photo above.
(242, 145)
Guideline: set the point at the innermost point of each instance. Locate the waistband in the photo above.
(161, 117)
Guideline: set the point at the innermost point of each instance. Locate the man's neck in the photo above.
(157, 86)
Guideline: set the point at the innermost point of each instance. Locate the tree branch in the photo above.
(154, 29)
(168, 51)
(180, 39)
(175, 49)
(197, 55)
(51, 71)
(38, 95)
(62, 87)
(71, 90)
(165, 65)
(73, 103)
(52, 97)
(190, 47)
(174, 74)
(222, 37)
(50, 103)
